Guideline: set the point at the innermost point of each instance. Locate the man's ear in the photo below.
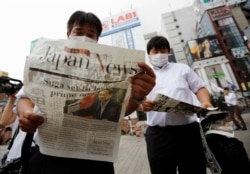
(68, 34)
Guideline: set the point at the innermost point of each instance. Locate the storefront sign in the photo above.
(122, 21)
(219, 13)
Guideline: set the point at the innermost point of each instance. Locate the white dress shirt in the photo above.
(231, 99)
(177, 81)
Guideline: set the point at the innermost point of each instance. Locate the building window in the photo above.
(230, 32)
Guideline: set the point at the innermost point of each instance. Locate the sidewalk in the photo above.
(244, 136)
(132, 157)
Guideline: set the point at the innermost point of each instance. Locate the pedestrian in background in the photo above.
(234, 111)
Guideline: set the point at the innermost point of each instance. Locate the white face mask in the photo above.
(82, 38)
(159, 59)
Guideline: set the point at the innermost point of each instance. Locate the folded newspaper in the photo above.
(171, 105)
(64, 79)
(214, 122)
(217, 122)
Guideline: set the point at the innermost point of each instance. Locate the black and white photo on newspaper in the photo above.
(81, 89)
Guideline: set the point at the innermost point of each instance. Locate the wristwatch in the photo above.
(138, 101)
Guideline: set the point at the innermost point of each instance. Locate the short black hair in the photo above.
(81, 18)
(226, 88)
(158, 42)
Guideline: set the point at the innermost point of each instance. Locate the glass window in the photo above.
(230, 31)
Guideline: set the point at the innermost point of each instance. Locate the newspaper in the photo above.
(217, 122)
(63, 79)
(167, 104)
(214, 121)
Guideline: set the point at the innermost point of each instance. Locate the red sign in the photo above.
(121, 21)
(124, 17)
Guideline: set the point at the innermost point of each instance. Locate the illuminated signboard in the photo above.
(219, 13)
(211, 4)
(122, 21)
(208, 1)
(206, 47)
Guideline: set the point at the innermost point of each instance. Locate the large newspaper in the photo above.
(64, 79)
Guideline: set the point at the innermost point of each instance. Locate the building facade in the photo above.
(179, 29)
(227, 21)
(217, 23)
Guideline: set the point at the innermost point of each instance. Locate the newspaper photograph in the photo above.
(70, 83)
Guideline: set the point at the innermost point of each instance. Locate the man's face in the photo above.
(154, 51)
(104, 95)
(226, 92)
(158, 57)
(84, 30)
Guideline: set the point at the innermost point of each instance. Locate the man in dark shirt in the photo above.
(108, 107)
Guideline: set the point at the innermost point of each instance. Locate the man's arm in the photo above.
(28, 121)
(204, 98)
(8, 116)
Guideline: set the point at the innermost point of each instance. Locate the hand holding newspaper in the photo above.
(63, 79)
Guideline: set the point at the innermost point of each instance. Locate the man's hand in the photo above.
(142, 83)
(29, 121)
(148, 105)
(206, 104)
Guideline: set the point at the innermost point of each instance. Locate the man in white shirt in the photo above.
(235, 112)
(85, 27)
(174, 140)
